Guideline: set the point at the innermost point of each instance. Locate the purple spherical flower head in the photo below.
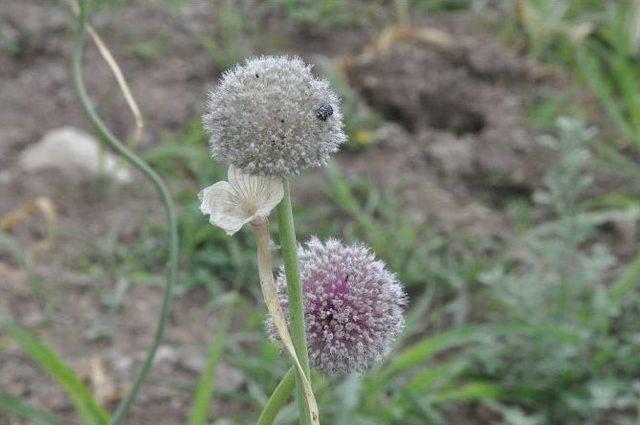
(353, 306)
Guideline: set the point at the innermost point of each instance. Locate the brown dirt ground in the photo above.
(460, 150)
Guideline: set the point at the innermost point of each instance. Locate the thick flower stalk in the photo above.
(353, 306)
(271, 116)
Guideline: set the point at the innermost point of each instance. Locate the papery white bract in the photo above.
(240, 200)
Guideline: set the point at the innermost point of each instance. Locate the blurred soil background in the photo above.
(441, 175)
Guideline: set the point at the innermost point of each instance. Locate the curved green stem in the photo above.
(287, 233)
(278, 398)
(158, 184)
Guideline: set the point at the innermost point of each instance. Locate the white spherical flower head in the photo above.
(353, 306)
(271, 116)
(241, 200)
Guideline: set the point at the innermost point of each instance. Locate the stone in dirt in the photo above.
(69, 149)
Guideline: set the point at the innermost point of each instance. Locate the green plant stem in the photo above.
(278, 398)
(199, 414)
(287, 233)
(13, 404)
(169, 209)
(89, 410)
(33, 277)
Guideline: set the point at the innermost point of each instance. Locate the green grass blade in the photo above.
(347, 398)
(426, 349)
(35, 416)
(430, 346)
(278, 398)
(613, 159)
(625, 79)
(415, 321)
(473, 391)
(629, 280)
(202, 401)
(34, 279)
(438, 375)
(341, 193)
(86, 406)
(591, 70)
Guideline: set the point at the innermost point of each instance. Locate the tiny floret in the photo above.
(272, 116)
(353, 306)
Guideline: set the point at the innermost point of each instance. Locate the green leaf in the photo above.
(473, 391)
(278, 398)
(347, 399)
(342, 194)
(86, 406)
(426, 349)
(35, 416)
(437, 375)
(35, 280)
(591, 69)
(625, 79)
(629, 280)
(201, 405)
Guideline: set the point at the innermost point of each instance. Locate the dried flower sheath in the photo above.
(276, 313)
(240, 200)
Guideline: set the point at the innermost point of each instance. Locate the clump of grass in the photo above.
(232, 40)
(559, 279)
(88, 409)
(599, 42)
(329, 13)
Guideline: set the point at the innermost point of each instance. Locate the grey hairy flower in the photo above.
(353, 306)
(271, 116)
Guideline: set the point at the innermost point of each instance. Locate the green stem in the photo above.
(199, 414)
(287, 233)
(278, 399)
(169, 209)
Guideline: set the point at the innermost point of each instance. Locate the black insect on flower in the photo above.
(324, 112)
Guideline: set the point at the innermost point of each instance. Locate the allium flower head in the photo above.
(353, 306)
(271, 116)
